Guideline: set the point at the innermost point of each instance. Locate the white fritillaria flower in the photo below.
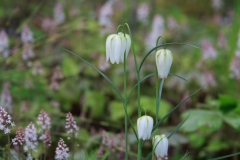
(116, 45)
(164, 61)
(144, 126)
(160, 144)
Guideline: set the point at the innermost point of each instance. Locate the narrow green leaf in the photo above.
(125, 110)
(178, 76)
(155, 127)
(178, 127)
(185, 155)
(227, 156)
(119, 94)
(149, 155)
(162, 45)
(138, 84)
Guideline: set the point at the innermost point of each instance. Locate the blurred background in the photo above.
(36, 73)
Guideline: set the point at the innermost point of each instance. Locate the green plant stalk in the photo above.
(45, 153)
(9, 146)
(73, 146)
(125, 106)
(138, 91)
(159, 99)
(156, 96)
(42, 155)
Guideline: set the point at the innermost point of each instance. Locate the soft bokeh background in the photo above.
(36, 73)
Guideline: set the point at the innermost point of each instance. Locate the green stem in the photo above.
(42, 155)
(73, 146)
(120, 26)
(125, 106)
(138, 75)
(159, 99)
(9, 146)
(156, 96)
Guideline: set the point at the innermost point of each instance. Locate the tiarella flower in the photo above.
(71, 125)
(209, 52)
(26, 34)
(160, 144)
(5, 121)
(163, 61)
(143, 13)
(6, 98)
(105, 13)
(27, 51)
(44, 120)
(144, 127)
(116, 45)
(3, 41)
(20, 137)
(158, 28)
(61, 151)
(59, 15)
(31, 137)
(235, 67)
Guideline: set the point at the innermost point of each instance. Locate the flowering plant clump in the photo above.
(5, 121)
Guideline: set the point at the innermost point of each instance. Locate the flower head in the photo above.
(71, 125)
(144, 127)
(20, 137)
(44, 120)
(61, 151)
(46, 138)
(160, 144)
(5, 121)
(59, 15)
(31, 137)
(6, 98)
(164, 61)
(3, 41)
(26, 34)
(116, 45)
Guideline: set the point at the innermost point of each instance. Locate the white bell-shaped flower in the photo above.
(126, 45)
(144, 127)
(164, 61)
(116, 45)
(160, 144)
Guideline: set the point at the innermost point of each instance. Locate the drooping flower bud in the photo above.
(163, 61)
(144, 127)
(160, 144)
(116, 45)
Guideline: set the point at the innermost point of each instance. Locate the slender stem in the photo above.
(45, 155)
(138, 76)
(73, 146)
(42, 151)
(159, 99)
(9, 146)
(156, 96)
(125, 106)
(120, 26)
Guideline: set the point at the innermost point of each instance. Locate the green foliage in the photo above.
(95, 101)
